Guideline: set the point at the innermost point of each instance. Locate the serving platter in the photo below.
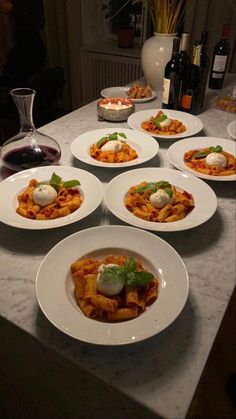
(231, 129)
(145, 146)
(204, 198)
(91, 190)
(193, 123)
(176, 152)
(55, 291)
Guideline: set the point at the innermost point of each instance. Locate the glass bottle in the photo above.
(220, 59)
(171, 82)
(191, 100)
(29, 148)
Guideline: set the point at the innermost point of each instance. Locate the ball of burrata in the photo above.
(44, 195)
(109, 285)
(160, 198)
(216, 159)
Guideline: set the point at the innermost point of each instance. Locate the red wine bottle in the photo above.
(183, 58)
(191, 98)
(219, 62)
(204, 64)
(171, 82)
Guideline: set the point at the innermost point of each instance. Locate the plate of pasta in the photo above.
(160, 199)
(49, 197)
(147, 301)
(209, 158)
(114, 147)
(165, 123)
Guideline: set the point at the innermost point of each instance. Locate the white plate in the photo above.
(145, 146)
(121, 91)
(54, 287)
(204, 197)
(91, 189)
(176, 154)
(231, 129)
(192, 123)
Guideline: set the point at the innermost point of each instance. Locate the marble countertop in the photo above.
(160, 373)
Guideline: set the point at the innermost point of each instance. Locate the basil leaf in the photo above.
(201, 154)
(121, 134)
(55, 181)
(153, 186)
(217, 149)
(102, 141)
(113, 137)
(160, 119)
(169, 191)
(130, 265)
(139, 279)
(71, 183)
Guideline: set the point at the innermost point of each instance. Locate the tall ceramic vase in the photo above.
(156, 52)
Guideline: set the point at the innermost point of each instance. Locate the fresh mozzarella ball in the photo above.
(160, 198)
(109, 288)
(216, 159)
(44, 195)
(165, 123)
(114, 146)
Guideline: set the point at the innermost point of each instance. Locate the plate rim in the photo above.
(162, 227)
(165, 137)
(141, 100)
(64, 220)
(232, 123)
(178, 259)
(194, 173)
(132, 163)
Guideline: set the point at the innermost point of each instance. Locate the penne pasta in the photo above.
(194, 162)
(128, 303)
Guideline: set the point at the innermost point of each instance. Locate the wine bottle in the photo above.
(184, 64)
(171, 82)
(191, 89)
(220, 59)
(204, 65)
(183, 58)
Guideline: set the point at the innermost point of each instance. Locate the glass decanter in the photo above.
(29, 148)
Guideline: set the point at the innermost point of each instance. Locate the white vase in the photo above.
(155, 54)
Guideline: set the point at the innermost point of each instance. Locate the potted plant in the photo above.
(120, 12)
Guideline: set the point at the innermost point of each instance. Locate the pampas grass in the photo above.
(166, 15)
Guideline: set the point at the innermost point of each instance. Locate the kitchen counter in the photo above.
(160, 374)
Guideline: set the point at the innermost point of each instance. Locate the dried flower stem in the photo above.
(166, 15)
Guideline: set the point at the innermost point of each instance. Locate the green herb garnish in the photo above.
(128, 272)
(211, 149)
(159, 119)
(110, 137)
(57, 183)
(154, 186)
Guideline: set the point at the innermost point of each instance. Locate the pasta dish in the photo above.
(46, 201)
(161, 124)
(137, 91)
(113, 149)
(158, 202)
(113, 289)
(211, 161)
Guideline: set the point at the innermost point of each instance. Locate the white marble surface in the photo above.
(162, 372)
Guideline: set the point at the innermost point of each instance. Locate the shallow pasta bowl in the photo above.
(176, 154)
(90, 187)
(192, 123)
(55, 292)
(204, 198)
(145, 146)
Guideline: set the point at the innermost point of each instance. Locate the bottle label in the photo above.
(220, 63)
(166, 91)
(217, 75)
(186, 101)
